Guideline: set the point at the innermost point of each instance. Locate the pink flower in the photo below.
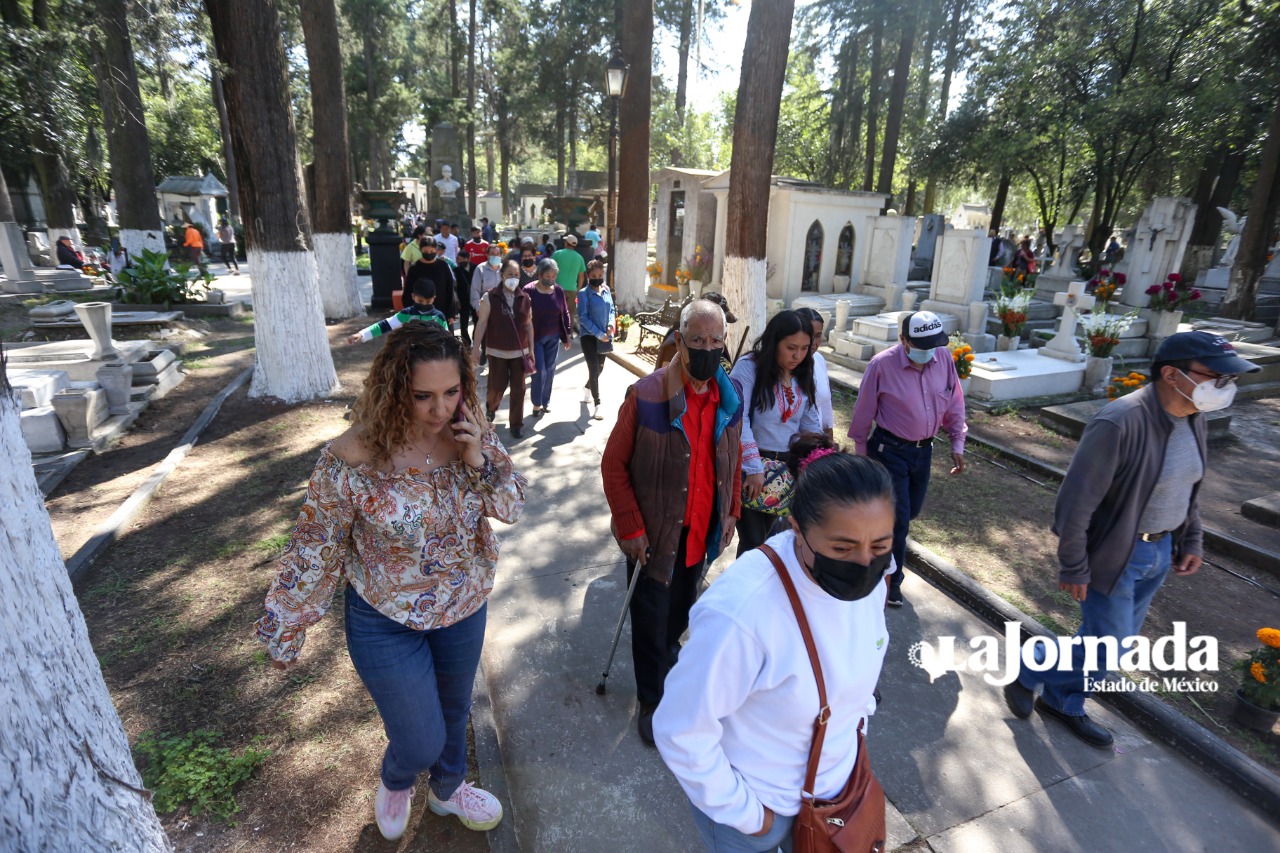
(1168, 285)
(1195, 294)
(1121, 278)
(1174, 277)
(1153, 290)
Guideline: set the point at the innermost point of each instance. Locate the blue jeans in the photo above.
(909, 466)
(421, 682)
(545, 352)
(1118, 615)
(719, 838)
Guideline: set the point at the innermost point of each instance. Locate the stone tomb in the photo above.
(836, 310)
(1022, 374)
(888, 260)
(21, 277)
(1156, 249)
(1070, 419)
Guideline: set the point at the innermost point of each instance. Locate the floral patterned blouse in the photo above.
(415, 545)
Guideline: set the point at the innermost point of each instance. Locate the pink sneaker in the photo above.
(391, 809)
(477, 809)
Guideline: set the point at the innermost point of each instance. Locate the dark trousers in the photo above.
(909, 466)
(659, 616)
(753, 529)
(229, 256)
(504, 373)
(595, 363)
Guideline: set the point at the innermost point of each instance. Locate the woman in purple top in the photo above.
(550, 330)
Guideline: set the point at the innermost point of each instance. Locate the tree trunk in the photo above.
(954, 30)
(1002, 196)
(228, 152)
(574, 188)
(897, 100)
(471, 114)
(560, 153)
(6, 204)
(331, 215)
(751, 168)
(873, 101)
(682, 72)
(71, 783)
(379, 174)
(132, 172)
(632, 250)
(293, 361)
(1251, 261)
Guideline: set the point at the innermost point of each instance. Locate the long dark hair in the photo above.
(765, 355)
(838, 479)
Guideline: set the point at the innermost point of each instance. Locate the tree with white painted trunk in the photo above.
(69, 782)
(755, 127)
(132, 173)
(294, 362)
(630, 255)
(331, 218)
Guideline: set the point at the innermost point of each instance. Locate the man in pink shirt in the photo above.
(910, 391)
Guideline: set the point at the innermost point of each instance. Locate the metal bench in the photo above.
(657, 323)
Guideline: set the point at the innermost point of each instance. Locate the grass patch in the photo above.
(196, 363)
(188, 770)
(272, 545)
(230, 549)
(110, 589)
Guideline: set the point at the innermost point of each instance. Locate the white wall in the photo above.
(791, 212)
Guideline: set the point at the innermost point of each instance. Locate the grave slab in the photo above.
(71, 356)
(118, 318)
(860, 305)
(1070, 419)
(42, 431)
(37, 387)
(1264, 510)
(1022, 374)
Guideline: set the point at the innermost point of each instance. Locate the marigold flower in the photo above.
(968, 357)
(1270, 636)
(1259, 674)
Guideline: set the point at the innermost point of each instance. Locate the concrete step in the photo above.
(1264, 510)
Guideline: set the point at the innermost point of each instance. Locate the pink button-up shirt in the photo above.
(912, 404)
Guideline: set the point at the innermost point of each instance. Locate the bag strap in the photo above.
(824, 711)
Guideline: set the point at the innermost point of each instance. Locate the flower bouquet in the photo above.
(1258, 699)
(1101, 331)
(1012, 311)
(1015, 280)
(1103, 285)
(655, 270)
(1121, 385)
(698, 265)
(962, 355)
(1172, 294)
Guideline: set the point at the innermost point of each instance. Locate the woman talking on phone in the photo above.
(398, 507)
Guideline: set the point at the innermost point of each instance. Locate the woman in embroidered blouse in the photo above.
(776, 379)
(398, 506)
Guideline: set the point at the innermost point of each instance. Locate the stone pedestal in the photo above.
(842, 318)
(117, 381)
(41, 430)
(975, 334)
(80, 410)
(96, 317)
(1097, 375)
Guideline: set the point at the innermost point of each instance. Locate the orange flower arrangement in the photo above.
(962, 355)
(1261, 669)
(1121, 385)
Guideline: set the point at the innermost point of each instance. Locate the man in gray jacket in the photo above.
(1127, 513)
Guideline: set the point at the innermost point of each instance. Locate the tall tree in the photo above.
(955, 33)
(224, 129)
(1242, 292)
(71, 783)
(873, 96)
(129, 145)
(751, 168)
(632, 249)
(897, 100)
(293, 361)
(471, 111)
(331, 216)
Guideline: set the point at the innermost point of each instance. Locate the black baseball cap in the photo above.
(924, 330)
(718, 298)
(1213, 351)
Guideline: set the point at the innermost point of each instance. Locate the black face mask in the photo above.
(845, 579)
(596, 282)
(429, 257)
(527, 264)
(703, 363)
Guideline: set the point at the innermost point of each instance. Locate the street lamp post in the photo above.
(616, 85)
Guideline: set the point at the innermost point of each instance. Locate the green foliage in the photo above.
(803, 121)
(153, 281)
(694, 142)
(188, 770)
(183, 126)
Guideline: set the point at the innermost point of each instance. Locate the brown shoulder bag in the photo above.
(854, 821)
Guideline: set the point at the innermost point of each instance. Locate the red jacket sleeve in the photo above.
(615, 470)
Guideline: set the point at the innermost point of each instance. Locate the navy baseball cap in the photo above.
(1213, 351)
(924, 330)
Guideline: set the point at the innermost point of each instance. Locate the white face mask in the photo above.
(1208, 398)
(511, 283)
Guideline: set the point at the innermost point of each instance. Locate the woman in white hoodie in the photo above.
(736, 719)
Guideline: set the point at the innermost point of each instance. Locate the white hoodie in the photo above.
(736, 718)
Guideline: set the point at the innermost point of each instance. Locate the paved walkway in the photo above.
(959, 770)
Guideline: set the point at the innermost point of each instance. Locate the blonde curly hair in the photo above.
(385, 406)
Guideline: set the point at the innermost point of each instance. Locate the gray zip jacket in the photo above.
(1114, 469)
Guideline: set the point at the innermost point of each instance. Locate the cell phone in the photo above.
(457, 413)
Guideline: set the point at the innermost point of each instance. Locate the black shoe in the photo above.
(517, 432)
(646, 724)
(1081, 726)
(895, 598)
(1019, 699)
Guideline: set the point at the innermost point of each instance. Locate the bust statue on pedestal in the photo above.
(446, 191)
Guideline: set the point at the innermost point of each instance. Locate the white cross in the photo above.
(1063, 344)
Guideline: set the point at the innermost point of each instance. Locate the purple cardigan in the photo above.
(550, 312)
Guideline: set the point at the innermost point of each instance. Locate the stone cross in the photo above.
(1064, 345)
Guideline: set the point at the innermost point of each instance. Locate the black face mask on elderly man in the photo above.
(703, 363)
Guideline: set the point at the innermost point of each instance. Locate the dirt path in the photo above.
(171, 609)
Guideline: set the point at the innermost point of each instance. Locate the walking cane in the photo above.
(617, 632)
(741, 343)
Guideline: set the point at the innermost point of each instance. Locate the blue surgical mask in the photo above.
(495, 262)
(920, 356)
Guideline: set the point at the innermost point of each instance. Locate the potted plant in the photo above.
(962, 355)
(655, 272)
(1011, 309)
(1166, 301)
(625, 322)
(152, 280)
(1101, 332)
(1103, 286)
(1258, 697)
(682, 282)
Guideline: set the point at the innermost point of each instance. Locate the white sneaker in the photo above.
(586, 395)
(595, 413)
(391, 809)
(477, 809)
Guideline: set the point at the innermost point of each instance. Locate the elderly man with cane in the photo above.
(673, 479)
